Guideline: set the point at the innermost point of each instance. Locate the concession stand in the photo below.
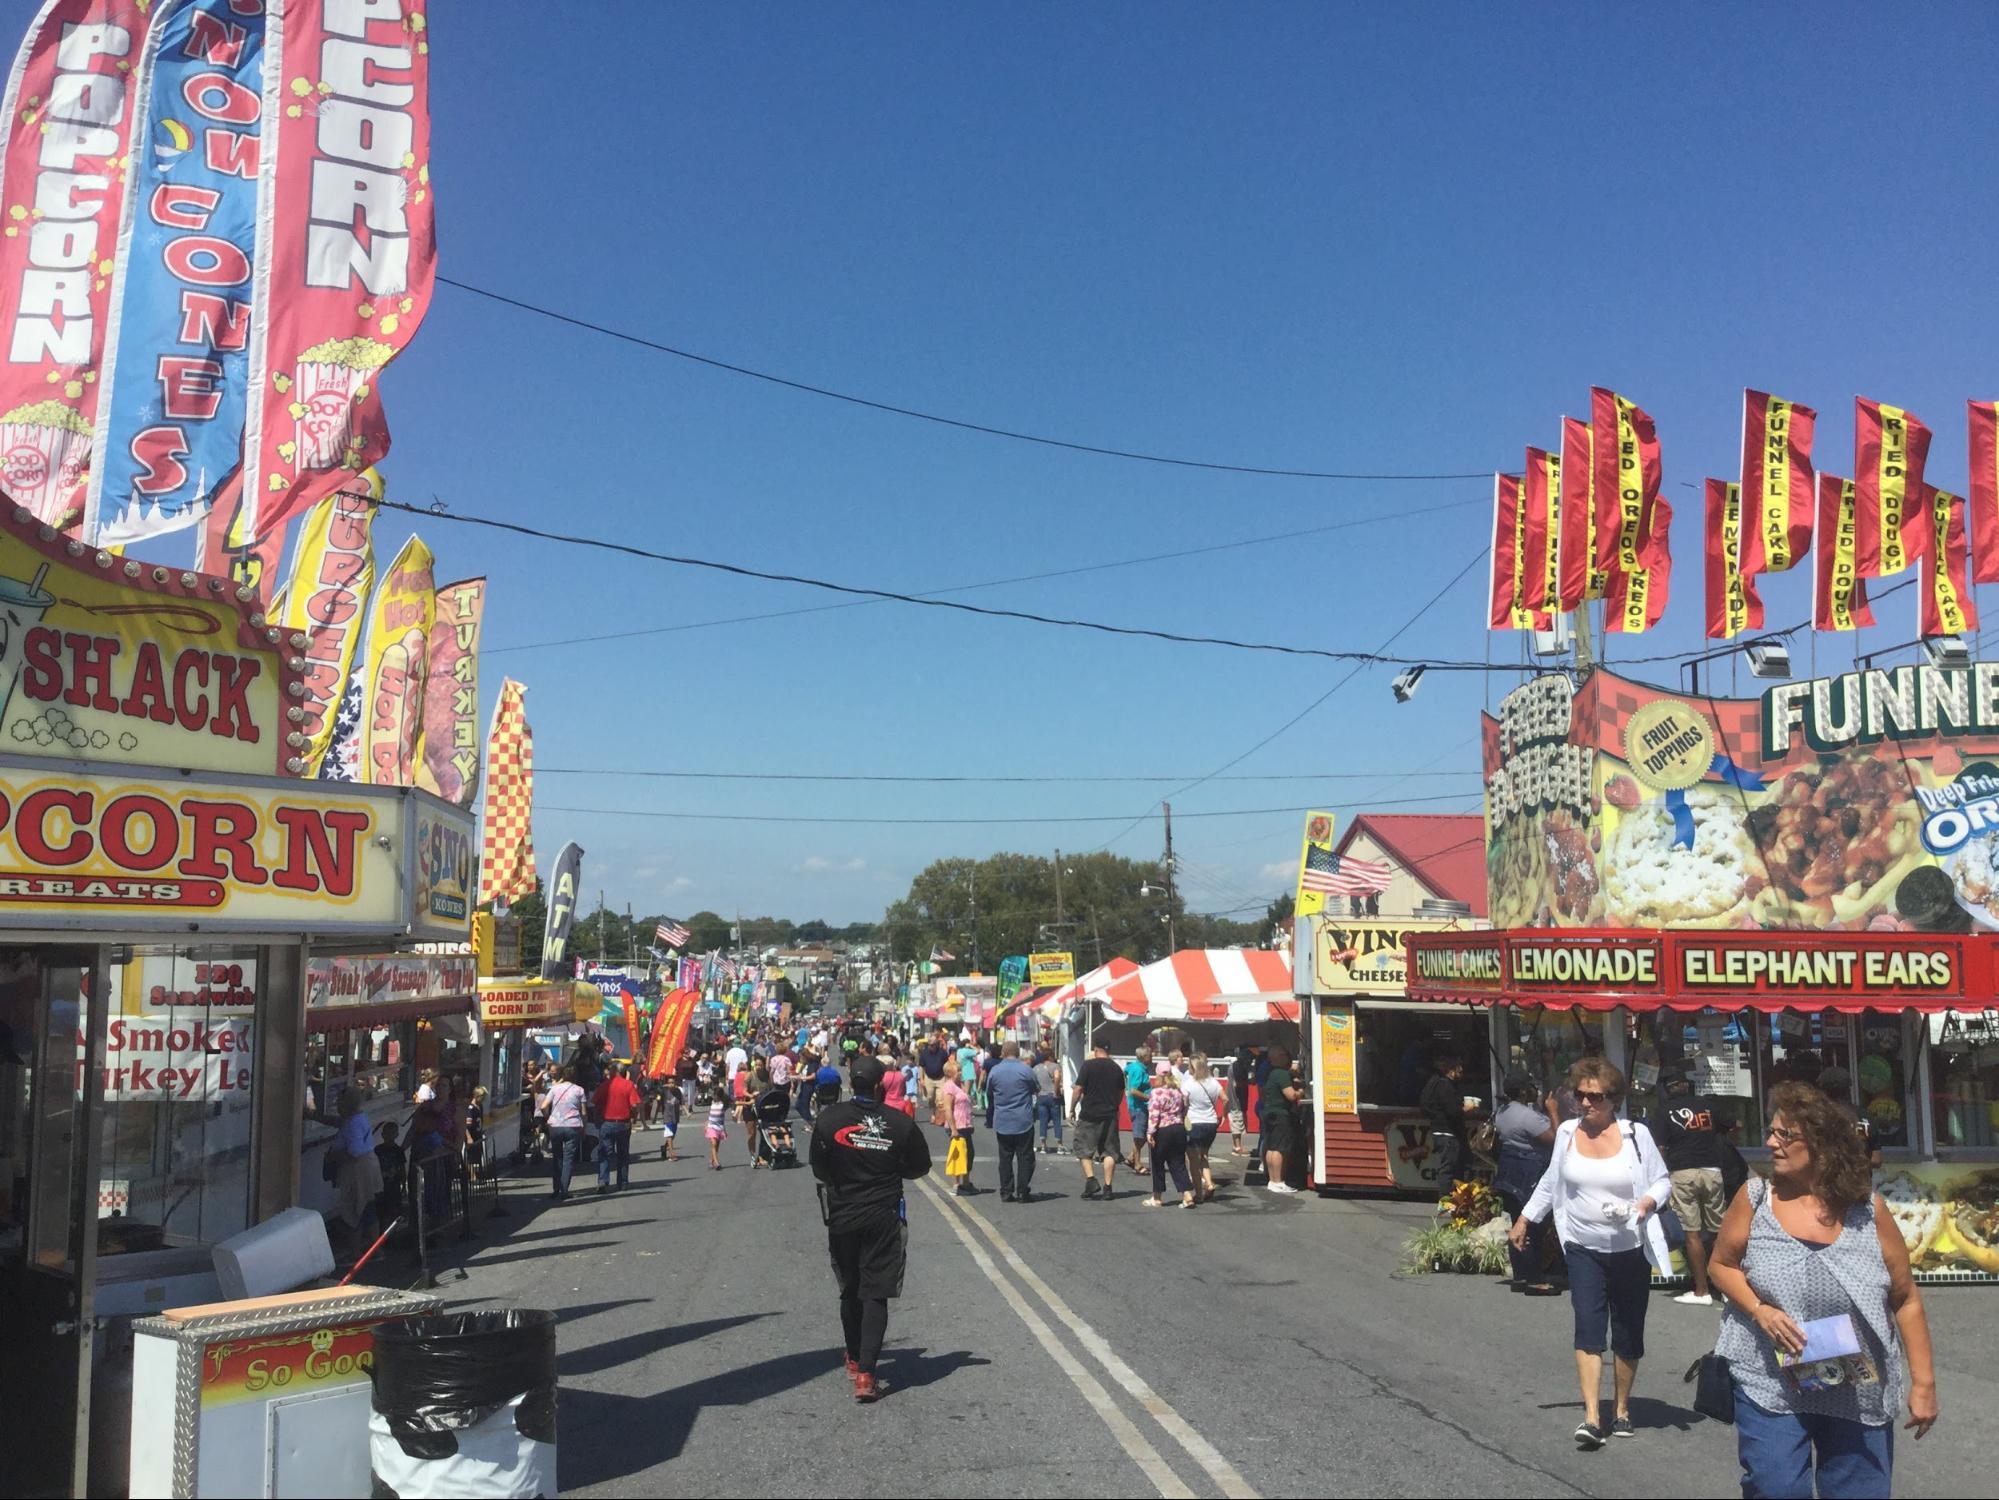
(166, 883)
(1801, 887)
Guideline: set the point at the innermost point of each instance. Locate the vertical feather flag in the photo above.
(1890, 447)
(1581, 578)
(449, 763)
(398, 665)
(223, 547)
(1982, 505)
(1625, 461)
(1778, 493)
(332, 574)
(1948, 606)
(1541, 500)
(1732, 602)
(1839, 595)
(506, 856)
(1510, 556)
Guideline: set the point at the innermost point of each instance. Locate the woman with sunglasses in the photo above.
(1604, 1186)
(1816, 1247)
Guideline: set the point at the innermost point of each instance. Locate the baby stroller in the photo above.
(771, 1119)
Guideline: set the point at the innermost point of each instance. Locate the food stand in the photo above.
(164, 881)
(1798, 887)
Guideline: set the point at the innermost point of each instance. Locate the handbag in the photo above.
(957, 1160)
(1714, 1388)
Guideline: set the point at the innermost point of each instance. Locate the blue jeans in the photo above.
(1048, 1111)
(1777, 1451)
(563, 1145)
(1611, 1286)
(614, 1145)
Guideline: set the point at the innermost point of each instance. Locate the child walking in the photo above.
(669, 1122)
(718, 1128)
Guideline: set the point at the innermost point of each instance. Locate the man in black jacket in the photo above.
(862, 1154)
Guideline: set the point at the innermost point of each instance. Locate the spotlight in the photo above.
(1947, 651)
(1404, 685)
(1768, 659)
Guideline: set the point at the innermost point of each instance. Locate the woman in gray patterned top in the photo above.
(1812, 1257)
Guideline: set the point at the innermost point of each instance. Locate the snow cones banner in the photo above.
(1890, 447)
(327, 599)
(176, 364)
(1541, 499)
(1777, 488)
(399, 627)
(1982, 505)
(1948, 605)
(1513, 584)
(68, 110)
(450, 762)
(1732, 602)
(350, 253)
(1581, 578)
(506, 859)
(1839, 596)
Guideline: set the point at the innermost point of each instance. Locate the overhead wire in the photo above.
(714, 817)
(961, 780)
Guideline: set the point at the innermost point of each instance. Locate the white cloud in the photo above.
(1279, 870)
(679, 883)
(645, 872)
(819, 864)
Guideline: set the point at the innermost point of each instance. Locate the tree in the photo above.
(1280, 910)
(706, 932)
(1103, 913)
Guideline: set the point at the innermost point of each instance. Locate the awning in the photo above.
(1236, 986)
(328, 1018)
(1099, 978)
(1033, 995)
(1693, 969)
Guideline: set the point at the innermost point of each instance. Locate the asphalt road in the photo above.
(1259, 1345)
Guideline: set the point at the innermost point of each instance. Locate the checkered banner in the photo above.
(506, 862)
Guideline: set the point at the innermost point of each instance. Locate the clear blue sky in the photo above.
(1330, 237)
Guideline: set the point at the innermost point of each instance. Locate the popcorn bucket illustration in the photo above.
(326, 382)
(22, 606)
(44, 449)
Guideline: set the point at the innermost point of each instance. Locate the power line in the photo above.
(960, 780)
(707, 817)
(963, 425)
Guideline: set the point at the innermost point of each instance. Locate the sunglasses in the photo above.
(1783, 1137)
(1592, 1096)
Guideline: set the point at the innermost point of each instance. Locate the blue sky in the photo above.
(1328, 237)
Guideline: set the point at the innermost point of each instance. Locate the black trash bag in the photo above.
(437, 1374)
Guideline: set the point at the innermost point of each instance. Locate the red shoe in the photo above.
(853, 1368)
(866, 1386)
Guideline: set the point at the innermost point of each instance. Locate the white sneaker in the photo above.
(1282, 1187)
(1695, 1299)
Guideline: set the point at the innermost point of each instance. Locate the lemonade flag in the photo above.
(1541, 499)
(399, 628)
(1516, 586)
(449, 765)
(349, 244)
(68, 110)
(1732, 602)
(177, 363)
(1319, 840)
(327, 602)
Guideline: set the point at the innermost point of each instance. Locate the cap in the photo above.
(866, 1074)
(1518, 1079)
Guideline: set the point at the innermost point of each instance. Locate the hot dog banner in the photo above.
(1862, 801)
(398, 667)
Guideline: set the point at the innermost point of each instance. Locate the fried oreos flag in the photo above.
(1839, 596)
(564, 882)
(1634, 522)
(1778, 496)
(1732, 602)
(1890, 447)
(1948, 606)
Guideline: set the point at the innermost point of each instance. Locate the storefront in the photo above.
(164, 879)
(523, 1020)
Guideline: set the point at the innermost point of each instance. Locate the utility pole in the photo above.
(600, 924)
(1097, 937)
(975, 919)
(1058, 890)
(631, 937)
(1172, 946)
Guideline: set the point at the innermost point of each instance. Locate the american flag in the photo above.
(671, 933)
(1333, 875)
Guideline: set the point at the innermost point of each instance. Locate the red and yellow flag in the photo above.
(1889, 448)
(1982, 506)
(1948, 605)
(1541, 500)
(1624, 464)
(1581, 578)
(1732, 602)
(506, 856)
(1839, 597)
(1513, 590)
(1778, 493)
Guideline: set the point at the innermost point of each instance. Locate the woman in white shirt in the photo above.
(1206, 1103)
(1604, 1187)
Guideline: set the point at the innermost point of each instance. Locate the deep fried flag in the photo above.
(1778, 496)
(1581, 578)
(1889, 449)
(1982, 506)
(1839, 596)
(1732, 604)
(1948, 605)
(1510, 586)
(1541, 500)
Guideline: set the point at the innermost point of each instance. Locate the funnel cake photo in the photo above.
(1651, 880)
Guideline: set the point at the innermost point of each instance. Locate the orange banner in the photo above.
(1890, 447)
(1510, 556)
(670, 1025)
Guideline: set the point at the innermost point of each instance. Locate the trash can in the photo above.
(464, 1404)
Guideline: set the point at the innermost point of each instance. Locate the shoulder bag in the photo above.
(1714, 1388)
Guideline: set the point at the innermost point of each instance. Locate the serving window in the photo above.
(1964, 1080)
(1547, 1042)
(1394, 1044)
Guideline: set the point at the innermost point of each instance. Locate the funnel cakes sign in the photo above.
(110, 660)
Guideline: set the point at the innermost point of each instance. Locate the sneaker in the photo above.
(868, 1387)
(1589, 1437)
(1621, 1427)
(1006, 1197)
(1282, 1187)
(1696, 1299)
(1092, 1188)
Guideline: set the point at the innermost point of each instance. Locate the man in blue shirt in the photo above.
(1010, 1088)
(1138, 1100)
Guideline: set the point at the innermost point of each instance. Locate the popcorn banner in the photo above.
(1948, 605)
(506, 860)
(350, 244)
(1839, 596)
(449, 765)
(1541, 499)
(1890, 447)
(398, 664)
(69, 112)
(1732, 602)
(1581, 578)
(176, 362)
(1777, 490)
(327, 598)
(1982, 504)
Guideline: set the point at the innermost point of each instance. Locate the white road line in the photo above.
(1177, 1427)
(1141, 1452)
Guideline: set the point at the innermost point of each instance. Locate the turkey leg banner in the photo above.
(68, 111)
(449, 765)
(563, 883)
(176, 369)
(350, 250)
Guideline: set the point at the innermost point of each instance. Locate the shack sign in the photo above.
(1360, 958)
(388, 978)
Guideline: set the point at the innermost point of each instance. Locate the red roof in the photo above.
(1444, 851)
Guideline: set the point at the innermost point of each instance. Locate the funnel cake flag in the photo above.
(350, 250)
(506, 858)
(1778, 494)
(1948, 606)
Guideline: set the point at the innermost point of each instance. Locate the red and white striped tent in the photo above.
(1236, 986)
(1085, 985)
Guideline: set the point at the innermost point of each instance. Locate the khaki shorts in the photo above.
(1697, 1199)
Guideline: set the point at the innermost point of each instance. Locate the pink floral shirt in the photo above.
(1168, 1107)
